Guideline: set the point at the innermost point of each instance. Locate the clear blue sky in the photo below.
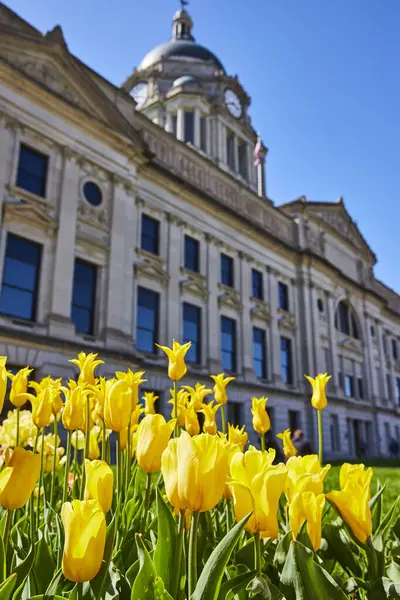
(323, 77)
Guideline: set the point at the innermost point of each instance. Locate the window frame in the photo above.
(289, 366)
(196, 244)
(233, 352)
(231, 274)
(186, 114)
(198, 324)
(346, 320)
(156, 331)
(263, 360)
(348, 378)
(92, 309)
(230, 150)
(151, 220)
(44, 182)
(257, 286)
(243, 160)
(283, 296)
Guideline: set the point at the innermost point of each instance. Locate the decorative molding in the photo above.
(31, 214)
(211, 239)
(286, 320)
(194, 284)
(245, 257)
(91, 235)
(314, 239)
(260, 310)
(175, 220)
(351, 344)
(229, 298)
(151, 266)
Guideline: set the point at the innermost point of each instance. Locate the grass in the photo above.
(388, 475)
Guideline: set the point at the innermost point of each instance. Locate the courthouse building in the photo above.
(133, 215)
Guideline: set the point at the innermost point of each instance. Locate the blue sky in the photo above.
(323, 77)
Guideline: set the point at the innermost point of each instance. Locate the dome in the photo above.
(179, 49)
(184, 80)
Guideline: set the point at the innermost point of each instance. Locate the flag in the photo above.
(258, 152)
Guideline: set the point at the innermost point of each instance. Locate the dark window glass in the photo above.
(147, 320)
(226, 270)
(192, 332)
(283, 294)
(372, 329)
(286, 360)
(360, 385)
(174, 120)
(294, 420)
(228, 344)
(389, 386)
(394, 349)
(84, 296)
(259, 353)
(203, 133)
(243, 160)
(335, 433)
(230, 150)
(92, 193)
(271, 414)
(192, 254)
(235, 413)
(257, 284)
(189, 126)
(320, 305)
(20, 278)
(345, 320)
(349, 386)
(353, 327)
(398, 390)
(32, 171)
(150, 234)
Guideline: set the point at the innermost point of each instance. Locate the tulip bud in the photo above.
(197, 395)
(149, 400)
(192, 424)
(237, 436)
(210, 424)
(288, 448)
(3, 380)
(117, 405)
(19, 386)
(261, 420)
(318, 399)
(307, 507)
(220, 395)
(18, 479)
(176, 355)
(87, 364)
(153, 437)
(305, 474)
(42, 407)
(73, 413)
(99, 483)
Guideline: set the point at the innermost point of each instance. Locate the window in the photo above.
(203, 134)
(398, 390)
(257, 284)
(147, 320)
(92, 193)
(286, 360)
(150, 234)
(174, 121)
(192, 252)
(372, 330)
(345, 320)
(235, 410)
(335, 433)
(360, 385)
(20, 278)
(228, 344)
(283, 295)
(294, 420)
(387, 436)
(32, 171)
(84, 296)
(192, 332)
(243, 160)
(389, 387)
(189, 126)
(349, 386)
(226, 270)
(259, 353)
(394, 349)
(230, 150)
(320, 305)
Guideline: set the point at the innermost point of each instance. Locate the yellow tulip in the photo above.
(176, 357)
(288, 447)
(192, 424)
(256, 487)
(231, 449)
(51, 446)
(305, 474)
(261, 421)
(352, 502)
(123, 439)
(209, 411)
(183, 396)
(356, 473)
(153, 436)
(94, 448)
(8, 430)
(149, 399)
(133, 380)
(87, 364)
(100, 390)
(318, 399)
(18, 479)
(308, 507)
(19, 386)
(3, 380)
(194, 471)
(237, 435)
(99, 483)
(135, 416)
(74, 408)
(117, 405)
(85, 538)
(42, 407)
(55, 386)
(197, 394)
(219, 389)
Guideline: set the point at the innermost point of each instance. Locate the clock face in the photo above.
(140, 92)
(233, 104)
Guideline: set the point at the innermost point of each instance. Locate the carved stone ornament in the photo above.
(286, 320)
(351, 344)
(397, 365)
(315, 239)
(151, 267)
(32, 214)
(341, 225)
(194, 284)
(260, 310)
(229, 298)
(94, 236)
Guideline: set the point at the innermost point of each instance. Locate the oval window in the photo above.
(92, 193)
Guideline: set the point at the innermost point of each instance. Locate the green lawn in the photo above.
(388, 475)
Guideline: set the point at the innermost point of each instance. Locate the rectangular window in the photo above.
(228, 344)
(20, 278)
(230, 150)
(84, 296)
(389, 387)
(286, 361)
(294, 420)
(227, 270)
(259, 353)
(283, 295)
(147, 320)
(192, 332)
(235, 413)
(398, 390)
(203, 134)
(32, 171)
(349, 386)
(192, 254)
(174, 120)
(243, 160)
(335, 433)
(387, 437)
(189, 126)
(394, 349)
(150, 234)
(360, 385)
(257, 284)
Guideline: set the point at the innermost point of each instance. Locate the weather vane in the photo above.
(184, 3)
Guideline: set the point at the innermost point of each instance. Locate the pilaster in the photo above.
(382, 357)
(275, 360)
(332, 342)
(246, 324)
(174, 324)
(197, 115)
(180, 124)
(213, 314)
(6, 136)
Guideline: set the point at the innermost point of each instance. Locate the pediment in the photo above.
(151, 267)
(261, 310)
(31, 214)
(229, 298)
(195, 285)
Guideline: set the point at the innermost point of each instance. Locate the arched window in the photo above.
(345, 320)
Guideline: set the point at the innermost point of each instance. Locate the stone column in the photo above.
(392, 372)
(60, 324)
(174, 262)
(168, 122)
(332, 342)
(180, 124)
(213, 313)
(209, 145)
(6, 138)
(197, 115)
(275, 349)
(369, 371)
(246, 324)
(222, 142)
(236, 153)
(298, 363)
(382, 357)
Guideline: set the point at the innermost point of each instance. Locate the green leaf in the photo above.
(342, 548)
(22, 571)
(375, 505)
(46, 597)
(54, 583)
(384, 589)
(209, 583)
(393, 572)
(386, 524)
(7, 587)
(259, 588)
(282, 550)
(303, 579)
(231, 587)
(164, 554)
(2, 561)
(98, 583)
(147, 584)
(44, 566)
(245, 556)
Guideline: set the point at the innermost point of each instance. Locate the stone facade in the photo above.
(91, 131)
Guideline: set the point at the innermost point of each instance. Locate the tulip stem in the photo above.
(223, 419)
(228, 514)
(146, 503)
(67, 462)
(262, 437)
(320, 437)
(257, 552)
(53, 475)
(17, 434)
(178, 555)
(40, 479)
(87, 441)
(80, 591)
(128, 459)
(103, 444)
(31, 499)
(177, 430)
(192, 566)
(7, 529)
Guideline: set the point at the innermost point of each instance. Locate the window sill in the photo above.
(27, 196)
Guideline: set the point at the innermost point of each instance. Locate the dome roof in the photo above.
(179, 49)
(184, 80)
